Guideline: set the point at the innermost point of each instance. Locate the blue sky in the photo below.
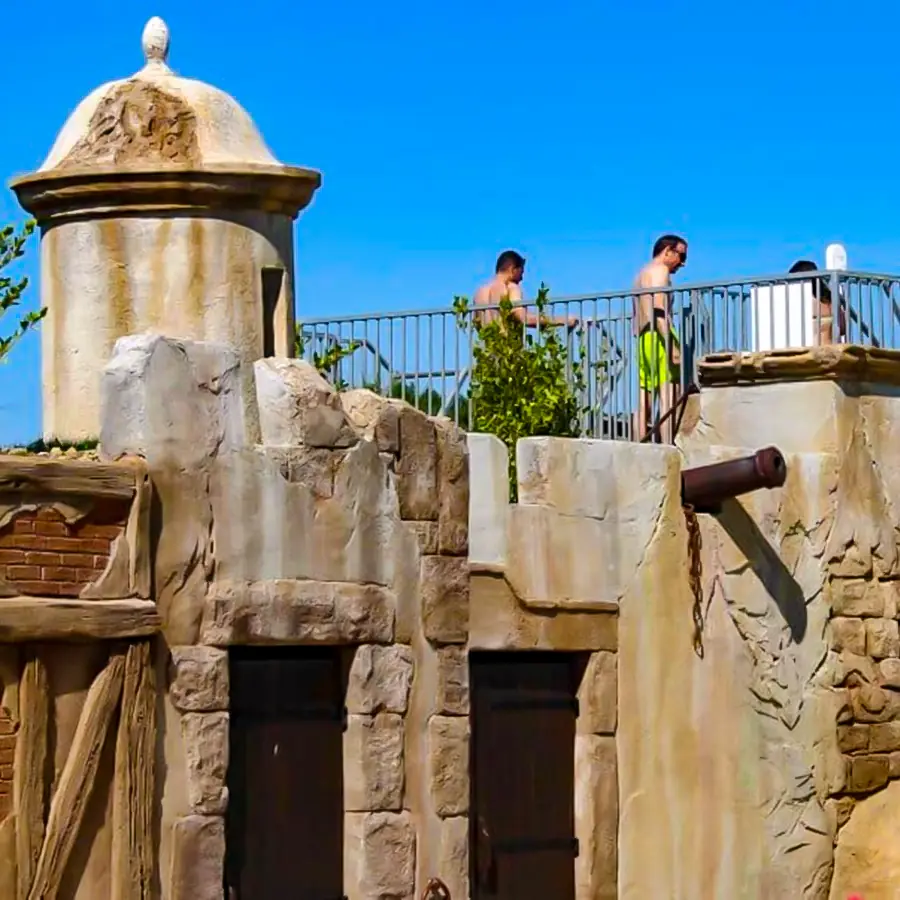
(574, 131)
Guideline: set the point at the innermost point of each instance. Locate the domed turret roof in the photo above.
(157, 119)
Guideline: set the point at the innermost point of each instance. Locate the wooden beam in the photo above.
(134, 784)
(37, 619)
(49, 477)
(29, 770)
(77, 780)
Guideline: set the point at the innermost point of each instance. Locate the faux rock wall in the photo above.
(347, 525)
(800, 595)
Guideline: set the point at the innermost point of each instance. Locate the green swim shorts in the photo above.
(654, 366)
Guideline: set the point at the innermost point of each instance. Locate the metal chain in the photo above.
(695, 574)
(436, 890)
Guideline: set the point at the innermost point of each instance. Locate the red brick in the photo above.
(101, 562)
(58, 544)
(76, 559)
(8, 557)
(48, 514)
(6, 755)
(23, 573)
(22, 541)
(42, 559)
(100, 531)
(6, 772)
(7, 724)
(38, 588)
(58, 573)
(69, 589)
(85, 545)
(86, 576)
(51, 529)
(23, 525)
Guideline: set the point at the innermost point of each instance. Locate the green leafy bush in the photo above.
(524, 382)
(12, 247)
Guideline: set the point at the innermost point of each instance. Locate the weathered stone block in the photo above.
(890, 673)
(882, 638)
(313, 467)
(379, 856)
(374, 418)
(597, 817)
(205, 737)
(453, 681)
(848, 634)
(198, 858)
(445, 599)
(453, 488)
(489, 514)
(427, 536)
(373, 763)
(895, 765)
(884, 737)
(853, 738)
(453, 859)
(598, 697)
(448, 762)
(852, 670)
(890, 592)
(297, 612)
(298, 406)
(380, 679)
(856, 597)
(873, 704)
(417, 481)
(867, 774)
(158, 401)
(199, 679)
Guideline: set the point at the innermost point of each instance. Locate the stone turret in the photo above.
(161, 209)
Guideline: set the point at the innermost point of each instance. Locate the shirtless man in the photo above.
(659, 353)
(507, 281)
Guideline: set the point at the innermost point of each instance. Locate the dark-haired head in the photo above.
(671, 249)
(807, 265)
(509, 259)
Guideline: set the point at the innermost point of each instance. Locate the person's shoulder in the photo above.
(482, 294)
(655, 274)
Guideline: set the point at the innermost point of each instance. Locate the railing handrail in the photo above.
(749, 281)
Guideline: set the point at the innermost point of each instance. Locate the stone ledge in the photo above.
(289, 611)
(834, 362)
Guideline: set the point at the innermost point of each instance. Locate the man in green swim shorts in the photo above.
(659, 352)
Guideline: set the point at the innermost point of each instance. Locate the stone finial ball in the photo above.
(155, 40)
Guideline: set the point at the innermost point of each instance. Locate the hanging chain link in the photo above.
(695, 574)
(436, 890)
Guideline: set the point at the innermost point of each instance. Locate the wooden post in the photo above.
(29, 770)
(133, 792)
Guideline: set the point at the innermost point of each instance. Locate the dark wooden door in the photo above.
(285, 775)
(523, 776)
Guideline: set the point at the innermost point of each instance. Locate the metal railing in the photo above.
(629, 376)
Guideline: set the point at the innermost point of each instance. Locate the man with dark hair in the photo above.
(659, 353)
(507, 281)
(825, 312)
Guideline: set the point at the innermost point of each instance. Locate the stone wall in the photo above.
(800, 592)
(346, 526)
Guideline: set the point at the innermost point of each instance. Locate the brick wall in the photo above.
(7, 750)
(41, 555)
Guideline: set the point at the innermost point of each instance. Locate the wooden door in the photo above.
(523, 776)
(285, 775)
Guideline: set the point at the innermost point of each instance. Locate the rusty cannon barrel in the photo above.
(705, 487)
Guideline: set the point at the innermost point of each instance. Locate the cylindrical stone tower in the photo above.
(161, 209)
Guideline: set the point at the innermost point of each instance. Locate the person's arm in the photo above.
(658, 277)
(532, 319)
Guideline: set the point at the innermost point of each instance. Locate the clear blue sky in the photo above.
(574, 131)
